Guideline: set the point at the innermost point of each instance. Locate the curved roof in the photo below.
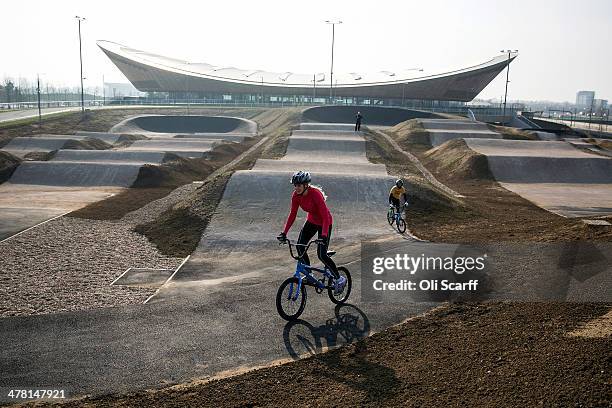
(127, 59)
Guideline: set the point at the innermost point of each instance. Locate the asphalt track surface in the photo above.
(218, 313)
(149, 125)
(552, 174)
(372, 115)
(110, 138)
(442, 130)
(25, 205)
(20, 146)
(184, 147)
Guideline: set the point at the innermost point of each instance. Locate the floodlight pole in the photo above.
(81, 60)
(507, 80)
(314, 87)
(38, 92)
(331, 72)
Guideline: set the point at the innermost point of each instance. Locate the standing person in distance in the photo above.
(358, 118)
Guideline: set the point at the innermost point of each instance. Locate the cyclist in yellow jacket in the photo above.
(396, 193)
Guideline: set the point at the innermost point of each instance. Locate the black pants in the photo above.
(358, 126)
(395, 202)
(308, 231)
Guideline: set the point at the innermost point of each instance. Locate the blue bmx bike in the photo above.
(292, 294)
(394, 215)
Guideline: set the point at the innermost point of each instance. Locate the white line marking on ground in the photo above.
(120, 276)
(34, 226)
(167, 280)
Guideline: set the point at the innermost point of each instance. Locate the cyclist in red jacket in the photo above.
(312, 200)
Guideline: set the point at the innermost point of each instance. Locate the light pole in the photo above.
(187, 89)
(331, 72)
(81, 60)
(38, 92)
(507, 80)
(103, 92)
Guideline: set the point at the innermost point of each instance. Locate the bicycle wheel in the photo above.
(390, 216)
(344, 295)
(401, 225)
(288, 306)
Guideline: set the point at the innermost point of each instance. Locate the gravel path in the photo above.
(69, 263)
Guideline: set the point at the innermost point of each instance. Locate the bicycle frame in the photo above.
(304, 271)
(397, 214)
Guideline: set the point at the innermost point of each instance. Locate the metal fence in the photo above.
(479, 111)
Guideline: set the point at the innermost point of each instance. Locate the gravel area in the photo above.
(69, 263)
(155, 208)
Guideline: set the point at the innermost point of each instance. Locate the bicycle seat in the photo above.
(331, 253)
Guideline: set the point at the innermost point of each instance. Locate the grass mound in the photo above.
(458, 161)
(8, 164)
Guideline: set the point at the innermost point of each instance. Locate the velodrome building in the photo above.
(150, 72)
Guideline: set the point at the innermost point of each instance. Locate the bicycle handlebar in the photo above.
(292, 244)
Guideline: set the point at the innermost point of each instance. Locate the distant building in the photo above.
(150, 72)
(600, 106)
(584, 99)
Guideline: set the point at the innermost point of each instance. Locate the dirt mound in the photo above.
(126, 140)
(8, 164)
(410, 132)
(116, 206)
(514, 133)
(178, 223)
(175, 171)
(40, 156)
(605, 144)
(458, 161)
(425, 198)
(86, 144)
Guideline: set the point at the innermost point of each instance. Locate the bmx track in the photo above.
(356, 189)
(217, 314)
(40, 190)
(442, 130)
(552, 174)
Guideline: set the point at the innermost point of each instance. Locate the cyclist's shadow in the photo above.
(303, 339)
(349, 325)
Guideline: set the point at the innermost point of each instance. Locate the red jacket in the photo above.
(314, 204)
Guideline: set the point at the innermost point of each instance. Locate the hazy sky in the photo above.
(564, 46)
